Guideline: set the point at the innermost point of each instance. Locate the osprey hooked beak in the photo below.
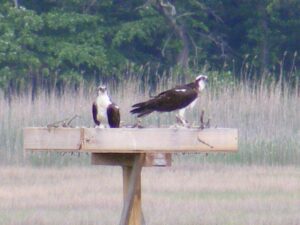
(101, 89)
(201, 80)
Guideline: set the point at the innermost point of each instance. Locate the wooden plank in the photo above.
(63, 139)
(126, 159)
(160, 140)
(113, 159)
(131, 140)
(132, 210)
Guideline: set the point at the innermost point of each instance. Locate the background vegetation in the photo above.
(54, 52)
(51, 43)
(266, 115)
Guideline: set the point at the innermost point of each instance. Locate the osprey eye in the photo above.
(102, 88)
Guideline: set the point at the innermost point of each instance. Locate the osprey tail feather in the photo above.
(142, 109)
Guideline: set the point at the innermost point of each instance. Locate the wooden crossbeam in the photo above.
(131, 140)
(127, 159)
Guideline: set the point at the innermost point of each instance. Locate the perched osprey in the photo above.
(177, 98)
(104, 111)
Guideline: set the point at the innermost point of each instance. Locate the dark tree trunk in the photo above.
(16, 3)
(33, 87)
(179, 30)
(264, 48)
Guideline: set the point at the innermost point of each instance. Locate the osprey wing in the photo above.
(95, 112)
(174, 99)
(167, 101)
(113, 115)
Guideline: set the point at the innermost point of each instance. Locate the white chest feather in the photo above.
(201, 85)
(102, 102)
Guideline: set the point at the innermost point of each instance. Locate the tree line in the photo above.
(51, 43)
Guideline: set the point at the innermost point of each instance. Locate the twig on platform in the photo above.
(204, 124)
(203, 142)
(138, 124)
(63, 123)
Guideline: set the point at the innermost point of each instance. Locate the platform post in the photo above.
(132, 207)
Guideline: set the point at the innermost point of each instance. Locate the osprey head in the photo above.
(102, 90)
(201, 81)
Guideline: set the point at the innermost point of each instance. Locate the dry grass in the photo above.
(266, 114)
(198, 189)
(189, 195)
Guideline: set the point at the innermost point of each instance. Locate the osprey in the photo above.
(104, 111)
(177, 98)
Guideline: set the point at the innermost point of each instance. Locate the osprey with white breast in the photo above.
(104, 111)
(177, 98)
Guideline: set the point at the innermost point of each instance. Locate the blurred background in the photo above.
(53, 54)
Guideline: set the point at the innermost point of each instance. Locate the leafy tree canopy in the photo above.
(53, 42)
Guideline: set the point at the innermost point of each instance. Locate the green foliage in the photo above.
(18, 37)
(47, 42)
(141, 30)
(217, 79)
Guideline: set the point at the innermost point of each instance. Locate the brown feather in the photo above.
(95, 112)
(167, 101)
(113, 116)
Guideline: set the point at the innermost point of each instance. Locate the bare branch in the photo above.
(166, 44)
(185, 14)
(210, 11)
(217, 40)
(169, 11)
(145, 5)
(194, 45)
(169, 8)
(16, 3)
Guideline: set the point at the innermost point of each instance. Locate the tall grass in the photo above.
(266, 114)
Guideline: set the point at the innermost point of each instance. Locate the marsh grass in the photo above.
(266, 114)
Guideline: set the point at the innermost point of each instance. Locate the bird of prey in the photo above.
(178, 98)
(104, 111)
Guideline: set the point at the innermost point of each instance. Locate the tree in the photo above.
(52, 43)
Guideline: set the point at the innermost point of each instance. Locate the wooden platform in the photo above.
(131, 148)
(131, 140)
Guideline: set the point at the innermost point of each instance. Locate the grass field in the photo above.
(180, 195)
(258, 185)
(266, 114)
